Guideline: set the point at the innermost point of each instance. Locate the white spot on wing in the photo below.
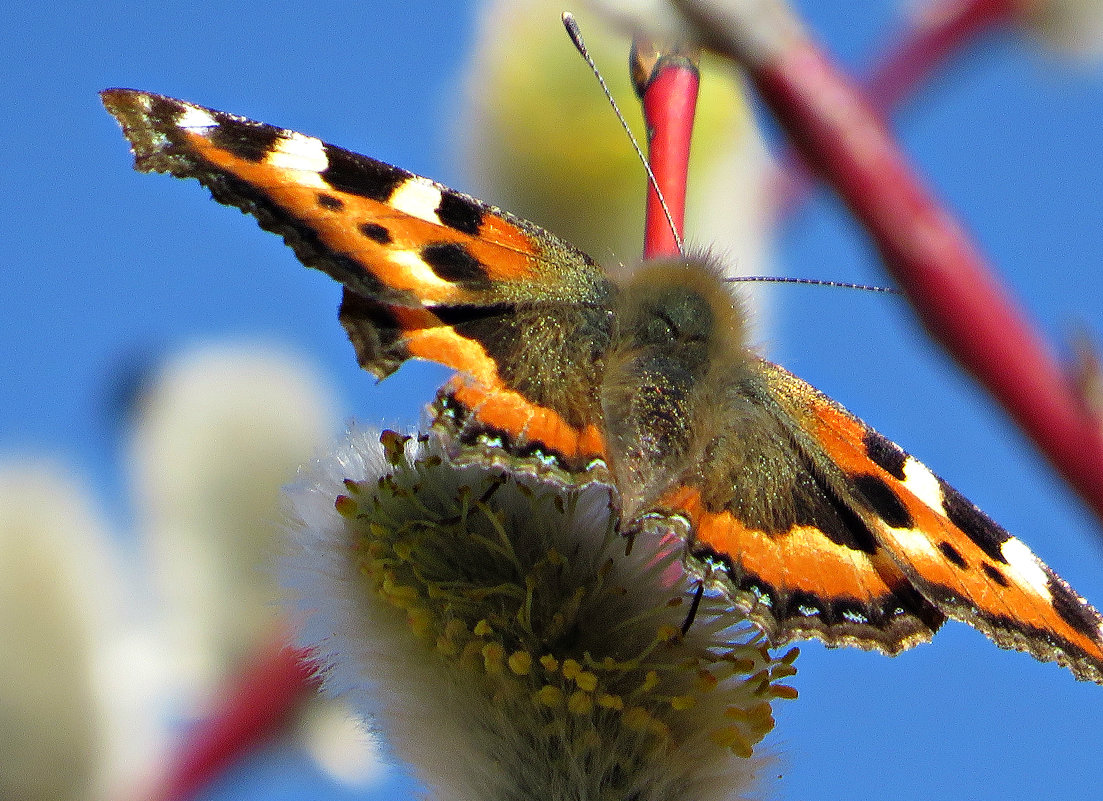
(922, 483)
(419, 273)
(295, 151)
(192, 117)
(1026, 567)
(418, 198)
(914, 541)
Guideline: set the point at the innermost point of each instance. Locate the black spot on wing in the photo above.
(802, 604)
(162, 110)
(951, 553)
(360, 175)
(1073, 609)
(298, 235)
(376, 232)
(975, 524)
(327, 201)
(813, 505)
(885, 454)
(463, 316)
(460, 212)
(851, 611)
(885, 502)
(248, 140)
(853, 532)
(453, 262)
(995, 575)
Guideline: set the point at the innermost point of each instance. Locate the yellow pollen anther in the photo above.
(681, 703)
(586, 681)
(420, 620)
(580, 703)
(494, 657)
(706, 681)
(608, 701)
(637, 718)
(731, 738)
(346, 506)
(667, 633)
(446, 647)
(520, 662)
(783, 671)
(549, 696)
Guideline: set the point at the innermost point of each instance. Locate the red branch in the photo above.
(914, 54)
(667, 83)
(953, 290)
(253, 708)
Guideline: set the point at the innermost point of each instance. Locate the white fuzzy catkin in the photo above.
(507, 644)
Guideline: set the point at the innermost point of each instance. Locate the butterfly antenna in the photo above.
(777, 279)
(575, 33)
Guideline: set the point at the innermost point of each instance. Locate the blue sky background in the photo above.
(104, 269)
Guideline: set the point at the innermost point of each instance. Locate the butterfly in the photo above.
(808, 520)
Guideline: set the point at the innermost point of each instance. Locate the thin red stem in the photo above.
(253, 708)
(669, 105)
(945, 30)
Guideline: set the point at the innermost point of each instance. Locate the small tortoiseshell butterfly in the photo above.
(811, 522)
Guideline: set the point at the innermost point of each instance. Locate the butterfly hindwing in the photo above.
(955, 557)
(774, 525)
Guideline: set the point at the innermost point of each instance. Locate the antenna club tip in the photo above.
(571, 24)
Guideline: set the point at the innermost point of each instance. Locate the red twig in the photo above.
(948, 282)
(667, 81)
(943, 30)
(253, 708)
(915, 52)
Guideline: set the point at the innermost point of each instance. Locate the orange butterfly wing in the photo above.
(429, 272)
(920, 536)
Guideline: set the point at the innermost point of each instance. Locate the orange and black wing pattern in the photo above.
(428, 272)
(878, 549)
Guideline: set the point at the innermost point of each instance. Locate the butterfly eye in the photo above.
(674, 319)
(656, 329)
